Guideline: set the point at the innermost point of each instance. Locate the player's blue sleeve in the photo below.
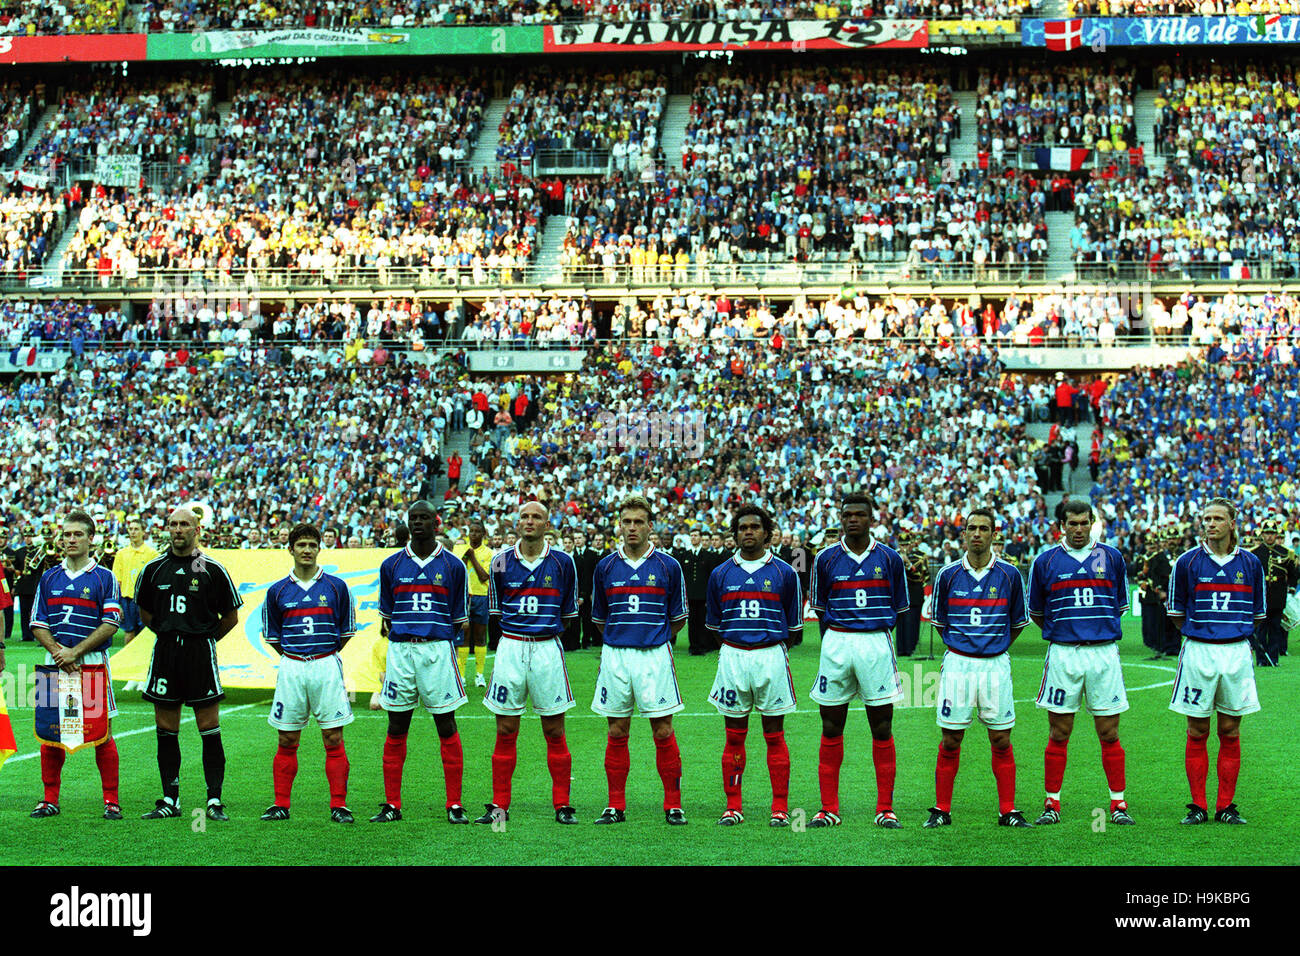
(1178, 587)
(1038, 586)
(599, 604)
(939, 599)
(111, 597)
(1018, 612)
(569, 596)
(386, 589)
(494, 569)
(40, 612)
(677, 606)
(792, 602)
(1121, 585)
(898, 584)
(271, 617)
(458, 592)
(820, 586)
(713, 601)
(347, 613)
(1257, 588)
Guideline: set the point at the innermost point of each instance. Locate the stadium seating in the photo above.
(29, 222)
(72, 16)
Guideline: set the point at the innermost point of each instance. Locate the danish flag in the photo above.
(1063, 34)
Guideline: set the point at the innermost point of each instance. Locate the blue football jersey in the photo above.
(636, 601)
(1222, 603)
(72, 605)
(862, 592)
(977, 612)
(423, 600)
(754, 607)
(1081, 601)
(308, 618)
(533, 601)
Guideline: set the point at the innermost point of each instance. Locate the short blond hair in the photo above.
(637, 503)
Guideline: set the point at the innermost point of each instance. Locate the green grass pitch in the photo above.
(1152, 736)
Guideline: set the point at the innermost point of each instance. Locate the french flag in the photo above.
(1061, 157)
(24, 357)
(1063, 34)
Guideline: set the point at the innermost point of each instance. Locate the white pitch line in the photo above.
(145, 730)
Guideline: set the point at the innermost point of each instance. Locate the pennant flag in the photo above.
(1063, 34)
(72, 709)
(1061, 157)
(24, 357)
(7, 745)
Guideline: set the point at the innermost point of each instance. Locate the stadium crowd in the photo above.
(60, 17)
(188, 15)
(30, 221)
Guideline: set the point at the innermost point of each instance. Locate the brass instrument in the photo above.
(46, 555)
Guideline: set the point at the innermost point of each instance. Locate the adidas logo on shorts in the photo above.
(446, 696)
(779, 701)
(338, 714)
(882, 687)
(1115, 699)
(557, 699)
(662, 700)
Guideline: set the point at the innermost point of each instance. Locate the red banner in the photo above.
(96, 48)
(796, 35)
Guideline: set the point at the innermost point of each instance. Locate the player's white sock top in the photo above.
(1055, 796)
(1117, 794)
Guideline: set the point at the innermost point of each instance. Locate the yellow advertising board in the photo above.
(244, 658)
(965, 28)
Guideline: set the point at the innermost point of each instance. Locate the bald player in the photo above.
(190, 602)
(533, 591)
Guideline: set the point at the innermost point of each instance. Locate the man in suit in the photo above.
(1153, 578)
(917, 567)
(697, 564)
(584, 559)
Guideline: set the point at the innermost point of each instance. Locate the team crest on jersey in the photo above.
(1240, 577)
(993, 592)
(324, 600)
(547, 579)
(767, 584)
(651, 580)
(194, 584)
(438, 576)
(86, 591)
(879, 569)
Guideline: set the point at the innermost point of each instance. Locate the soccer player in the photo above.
(533, 590)
(189, 601)
(1078, 591)
(477, 556)
(75, 615)
(754, 603)
(307, 618)
(423, 601)
(1216, 598)
(859, 587)
(638, 603)
(127, 565)
(979, 610)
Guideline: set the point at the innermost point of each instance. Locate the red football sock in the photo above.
(1054, 765)
(1198, 767)
(1004, 772)
(52, 770)
(1112, 762)
(503, 768)
(394, 760)
(336, 773)
(829, 758)
(1229, 766)
(778, 768)
(885, 759)
(733, 765)
(106, 761)
(668, 760)
(617, 764)
(453, 766)
(284, 767)
(945, 775)
(560, 762)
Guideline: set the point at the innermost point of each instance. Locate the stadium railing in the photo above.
(531, 275)
(1141, 270)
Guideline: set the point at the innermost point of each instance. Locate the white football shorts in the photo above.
(968, 685)
(310, 689)
(753, 680)
(1214, 677)
(644, 676)
(425, 673)
(1073, 671)
(523, 670)
(857, 665)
